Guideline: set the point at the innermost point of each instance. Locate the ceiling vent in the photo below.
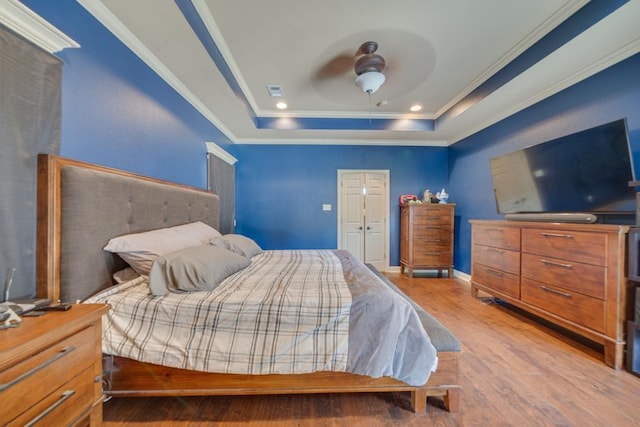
(275, 91)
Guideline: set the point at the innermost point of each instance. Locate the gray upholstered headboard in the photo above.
(93, 204)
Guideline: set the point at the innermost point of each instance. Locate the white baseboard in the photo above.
(457, 274)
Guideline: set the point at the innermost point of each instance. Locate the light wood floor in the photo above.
(514, 372)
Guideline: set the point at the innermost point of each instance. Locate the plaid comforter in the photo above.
(289, 312)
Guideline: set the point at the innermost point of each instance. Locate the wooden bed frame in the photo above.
(125, 377)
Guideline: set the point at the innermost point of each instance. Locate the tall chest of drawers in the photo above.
(573, 275)
(51, 369)
(426, 237)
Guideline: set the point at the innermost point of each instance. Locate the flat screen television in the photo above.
(587, 172)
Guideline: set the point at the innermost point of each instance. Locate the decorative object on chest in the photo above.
(426, 238)
(51, 369)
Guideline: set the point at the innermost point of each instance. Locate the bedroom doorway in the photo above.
(363, 215)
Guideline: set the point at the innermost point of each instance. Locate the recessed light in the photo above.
(416, 107)
(281, 105)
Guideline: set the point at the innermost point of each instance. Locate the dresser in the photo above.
(573, 275)
(51, 369)
(426, 238)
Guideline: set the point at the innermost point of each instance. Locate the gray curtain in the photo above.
(222, 181)
(30, 110)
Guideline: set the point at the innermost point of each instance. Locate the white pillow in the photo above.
(140, 249)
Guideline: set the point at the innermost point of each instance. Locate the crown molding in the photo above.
(621, 37)
(213, 148)
(532, 38)
(118, 29)
(19, 18)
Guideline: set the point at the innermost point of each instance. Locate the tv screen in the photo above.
(588, 171)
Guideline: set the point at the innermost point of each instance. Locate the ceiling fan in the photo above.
(369, 68)
(366, 63)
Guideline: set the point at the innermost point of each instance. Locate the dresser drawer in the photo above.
(500, 259)
(29, 381)
(500, 281)
(590, 248)
(497, 237)
(63, 405)
(573, 306)
(587, 279)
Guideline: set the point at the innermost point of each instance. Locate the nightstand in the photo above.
(51, 368)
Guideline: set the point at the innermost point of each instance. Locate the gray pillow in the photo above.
(199, 268)
(237, 243)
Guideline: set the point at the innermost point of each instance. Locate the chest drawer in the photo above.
(63, 405)
(433, 257)
(496, 258)
(432, 233)
(587, 279)
(497, 237)
(433, 215)
(30, 380)
(573, 306)
(590, 248)
(500, 281)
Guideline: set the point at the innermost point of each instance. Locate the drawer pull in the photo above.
(66, 350)
(432, 253)
(553, 291)
(565, 236)
(495, 273)
(558, 264)
(435, 227)
(495, 250)
(63, 397)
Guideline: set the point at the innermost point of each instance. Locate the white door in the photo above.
(363, 215)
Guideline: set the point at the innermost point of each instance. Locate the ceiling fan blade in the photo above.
(335, 67)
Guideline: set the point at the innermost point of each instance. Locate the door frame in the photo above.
(387, 176)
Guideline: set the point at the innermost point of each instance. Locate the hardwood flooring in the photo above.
(514, 371)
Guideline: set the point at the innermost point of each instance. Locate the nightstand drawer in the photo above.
(63, 405)
(31, 380)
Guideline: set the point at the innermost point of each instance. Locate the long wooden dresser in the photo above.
(426, 237)
(51, 369)
(573, 275)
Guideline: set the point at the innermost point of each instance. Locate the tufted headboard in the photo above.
(81, 206)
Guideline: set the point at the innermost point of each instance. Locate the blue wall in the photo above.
(611, 94)
(280, 189)
(117, 112)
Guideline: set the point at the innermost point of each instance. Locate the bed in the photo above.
(81, 206)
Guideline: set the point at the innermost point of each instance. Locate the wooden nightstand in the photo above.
(51, 368)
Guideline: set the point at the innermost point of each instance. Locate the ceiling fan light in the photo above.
(370, 81)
